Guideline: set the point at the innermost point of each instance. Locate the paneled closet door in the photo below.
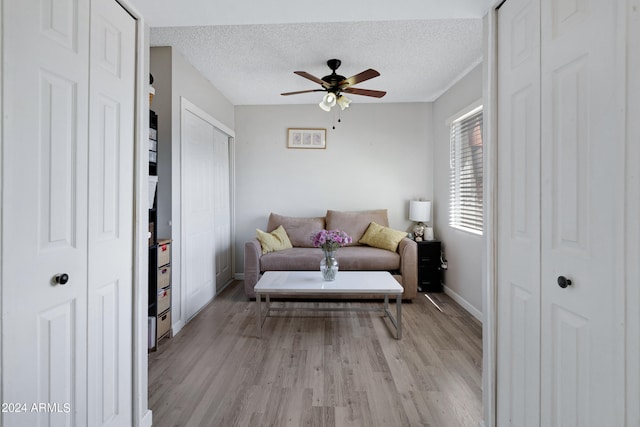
(44, 206)
(518, 400)
(582, 193)
(111, 149)
(67, 230)
(561, 186)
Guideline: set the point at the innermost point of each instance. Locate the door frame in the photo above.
(489, 278)
(141, 413)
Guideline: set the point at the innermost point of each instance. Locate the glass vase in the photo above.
(329, 265)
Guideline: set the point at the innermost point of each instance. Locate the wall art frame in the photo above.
(307, 138)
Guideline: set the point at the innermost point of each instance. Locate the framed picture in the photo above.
(307, 138)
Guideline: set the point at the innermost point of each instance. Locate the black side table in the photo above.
(429, 268)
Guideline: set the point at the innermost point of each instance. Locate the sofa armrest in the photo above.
(252, 254)
(408, 250)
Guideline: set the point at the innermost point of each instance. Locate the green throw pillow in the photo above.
(382, 237)
(277, 240)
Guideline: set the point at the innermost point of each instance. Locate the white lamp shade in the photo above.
(343, 102)
(328, 101)
(420, 210)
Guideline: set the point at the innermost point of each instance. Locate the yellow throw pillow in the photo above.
(382, 237)
(277, 240)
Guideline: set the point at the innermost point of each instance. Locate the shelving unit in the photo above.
(159, 308)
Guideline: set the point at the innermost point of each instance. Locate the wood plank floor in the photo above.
(319, 368)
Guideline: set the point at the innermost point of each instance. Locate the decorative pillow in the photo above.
(355, 223)
(277, 240)
(382, 237)
(298, 229)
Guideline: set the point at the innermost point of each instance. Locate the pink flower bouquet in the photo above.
(330, 240)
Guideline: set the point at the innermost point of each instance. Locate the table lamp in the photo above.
(420, 211)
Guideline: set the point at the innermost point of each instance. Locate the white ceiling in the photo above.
(249, 49)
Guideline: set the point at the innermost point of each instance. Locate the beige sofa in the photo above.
(356, 257)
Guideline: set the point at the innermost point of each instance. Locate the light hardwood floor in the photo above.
(319, 368)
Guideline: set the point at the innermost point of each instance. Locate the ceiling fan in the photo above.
(335, 84)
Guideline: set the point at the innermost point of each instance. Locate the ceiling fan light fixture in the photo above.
(343, 102)
(328, 101)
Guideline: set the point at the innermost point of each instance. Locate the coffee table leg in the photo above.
(259, 315)
(397, 322)
(399, 316)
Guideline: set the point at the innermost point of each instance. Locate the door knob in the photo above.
(563, 282)
(61, 279)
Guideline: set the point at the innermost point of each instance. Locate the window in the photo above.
(465, 182)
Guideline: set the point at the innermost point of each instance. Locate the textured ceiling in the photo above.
(250, 57)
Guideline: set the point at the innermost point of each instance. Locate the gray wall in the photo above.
(175, 78)
(379, 156)
(463, 250)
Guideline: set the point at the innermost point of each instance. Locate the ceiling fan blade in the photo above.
(302, 91)
(311, 77)
(365, 92)
(360, 77)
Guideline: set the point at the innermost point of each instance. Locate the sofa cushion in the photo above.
(298, 229)
(355, 223)
(382, 237)
(364, 258)
(354, 258)
(276, 240)
(292, 259)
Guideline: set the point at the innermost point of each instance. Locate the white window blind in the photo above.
(465, 183)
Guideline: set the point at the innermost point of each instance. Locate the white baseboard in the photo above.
(238, 276)
(147, 419)
(464, 303)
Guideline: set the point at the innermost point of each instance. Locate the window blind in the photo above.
(465, 183)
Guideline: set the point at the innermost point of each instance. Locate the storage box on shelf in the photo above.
(160, 288)
(164, 300)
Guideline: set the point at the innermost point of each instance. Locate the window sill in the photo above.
(467, 230)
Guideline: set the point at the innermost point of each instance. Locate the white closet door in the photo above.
(198, 214)
(558, 211)
(583, 178)
(111, 148)
(44, 206)
(518, 400)
(62, 212)
(222, 207)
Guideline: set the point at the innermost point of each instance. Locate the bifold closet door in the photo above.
(560, 192)
(44, 206)
(518, 400)
(582, 185)
(67, 195)
(111, 154)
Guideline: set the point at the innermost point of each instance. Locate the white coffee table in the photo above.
(312, 283)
